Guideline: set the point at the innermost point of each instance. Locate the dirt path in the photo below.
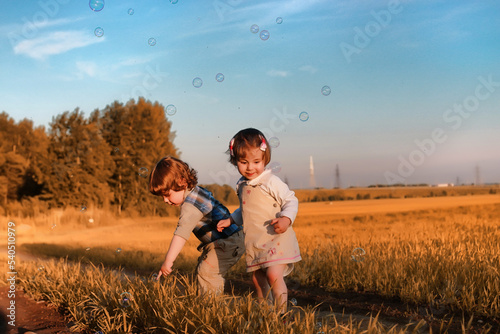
(30, 315)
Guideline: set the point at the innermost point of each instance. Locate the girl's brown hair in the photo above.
(248, 139)
(171, 174)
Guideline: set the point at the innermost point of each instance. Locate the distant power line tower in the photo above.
(478, 176)
(312, 180)
(337, 176)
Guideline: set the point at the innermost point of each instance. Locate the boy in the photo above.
(176, 182)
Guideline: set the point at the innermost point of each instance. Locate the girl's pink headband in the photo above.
(262, 147)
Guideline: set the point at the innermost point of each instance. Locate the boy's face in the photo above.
(174, 197)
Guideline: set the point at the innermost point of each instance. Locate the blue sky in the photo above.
(415, 85)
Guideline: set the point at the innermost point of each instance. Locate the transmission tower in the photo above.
(337, 177)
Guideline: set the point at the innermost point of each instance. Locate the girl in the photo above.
(267, 210)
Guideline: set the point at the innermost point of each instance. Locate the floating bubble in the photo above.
(143, 172)
(41, 268)
(91, 220)
(83, 208)
(116, 149)
(358, 255)
(99, 32)
(87, 249)
(53, 226)
(264, 35)
(171, 110)
(154, 277)
(131, 11)
(319, 325)
(279, 20)
(173, 2)
(118, 250)
(293, 301)
(219, 77)
(152, 41)
(303, 116)
(275, 167)
(96, 5)
(326, 90)
(197, 82)
(274, 142)
(125, 299)
(254, 28)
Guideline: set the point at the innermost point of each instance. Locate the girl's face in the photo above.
(251, 164)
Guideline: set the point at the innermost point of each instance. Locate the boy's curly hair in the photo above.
(171, 174)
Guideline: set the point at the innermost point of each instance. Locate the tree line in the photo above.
(102, 160)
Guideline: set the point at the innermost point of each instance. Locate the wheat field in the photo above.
(441, 253)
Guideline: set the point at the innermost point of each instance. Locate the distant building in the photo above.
(445, 185)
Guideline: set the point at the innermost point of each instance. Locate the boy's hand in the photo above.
(165, 270)
(281, 224)
(222, 224)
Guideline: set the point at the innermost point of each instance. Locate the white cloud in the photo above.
(55, 43)
(276, 73)
(86, 68)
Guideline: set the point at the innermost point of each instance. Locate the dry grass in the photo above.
(443, 253)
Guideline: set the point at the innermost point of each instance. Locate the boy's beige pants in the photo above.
(215, 261)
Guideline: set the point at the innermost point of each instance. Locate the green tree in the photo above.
(80, 163)
(138, 134)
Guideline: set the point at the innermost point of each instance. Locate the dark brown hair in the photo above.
(247, 139)
(171, 174)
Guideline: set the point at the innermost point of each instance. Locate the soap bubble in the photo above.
(87, 249)
(171, 110)
(152, 41)
(41, 268)
(279, 20)
(264, 35)
(83, 208)
(274, 142)
(130, 11)
(91, 220)
(154, 277)
(358, 254)
(125, 299)
(53, 226)
(99, 32)
(116, 149)
(173, 2)
(197, 82)
(96, 5)
(254, 28)
(118, 250)
(303, 116)
(293, 301)
(219, 77)
(326, 90)
(143, 172)
(275, 167)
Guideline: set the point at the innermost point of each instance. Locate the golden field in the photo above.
(438, 253)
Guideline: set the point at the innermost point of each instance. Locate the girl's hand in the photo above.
(222, 224)
(281, 224)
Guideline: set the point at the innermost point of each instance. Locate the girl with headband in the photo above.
(267, 211)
